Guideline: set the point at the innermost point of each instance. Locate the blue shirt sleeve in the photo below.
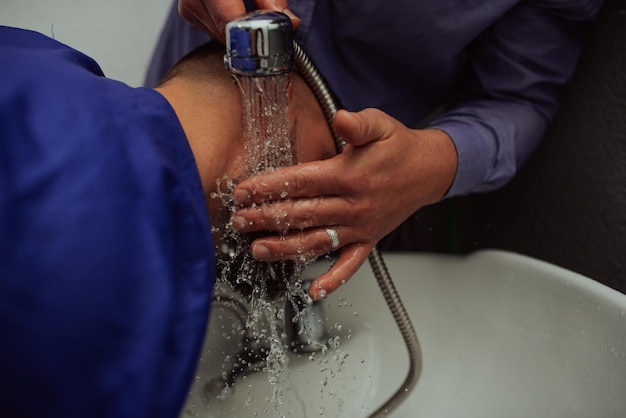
(106, 258)
(509, 92)
(497, 63)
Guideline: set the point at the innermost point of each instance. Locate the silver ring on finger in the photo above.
(334, 237)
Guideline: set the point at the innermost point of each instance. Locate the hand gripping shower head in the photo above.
(259, 44)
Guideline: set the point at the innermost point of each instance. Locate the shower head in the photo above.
(259, 44)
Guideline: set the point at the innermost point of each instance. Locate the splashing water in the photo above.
(269, 146)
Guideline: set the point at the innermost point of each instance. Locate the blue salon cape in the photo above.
(106, 259)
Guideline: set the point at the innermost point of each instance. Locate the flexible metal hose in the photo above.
(317, 84)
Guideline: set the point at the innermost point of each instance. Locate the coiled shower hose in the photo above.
(317, 84)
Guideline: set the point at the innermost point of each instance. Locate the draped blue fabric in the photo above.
(106, 258)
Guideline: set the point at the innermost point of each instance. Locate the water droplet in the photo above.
(268, 147)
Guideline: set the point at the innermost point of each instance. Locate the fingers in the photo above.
(279, 6)
(304, 180)
(212, 16)
(322, 177)
(318, 243)
(303, 246)
(311, 196)
(350, 259)
(364, 127)
(309, 245)
(294, 215)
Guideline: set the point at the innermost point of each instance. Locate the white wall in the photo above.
(119, 34)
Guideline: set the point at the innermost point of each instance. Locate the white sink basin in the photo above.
(502, 335)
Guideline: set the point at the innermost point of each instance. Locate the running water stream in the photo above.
(266, 122)
(269, 146)
(254, 299)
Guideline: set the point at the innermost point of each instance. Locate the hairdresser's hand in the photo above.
(211, 16)
(385, 174)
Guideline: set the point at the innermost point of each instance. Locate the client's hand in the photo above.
(211, 16)
(386, 172)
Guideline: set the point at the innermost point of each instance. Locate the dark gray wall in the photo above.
(568, 203)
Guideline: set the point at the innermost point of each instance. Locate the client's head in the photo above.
(209, 106)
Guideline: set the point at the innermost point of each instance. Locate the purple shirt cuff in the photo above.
(472, 150)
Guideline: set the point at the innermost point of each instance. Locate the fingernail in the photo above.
(239, 223)
(316, 292)
(241, 197)
(260, 252)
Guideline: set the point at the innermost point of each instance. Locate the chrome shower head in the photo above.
(259, 44)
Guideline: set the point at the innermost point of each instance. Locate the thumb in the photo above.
(361, 128)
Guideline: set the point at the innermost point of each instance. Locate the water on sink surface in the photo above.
(331, 382)
(502, 335)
